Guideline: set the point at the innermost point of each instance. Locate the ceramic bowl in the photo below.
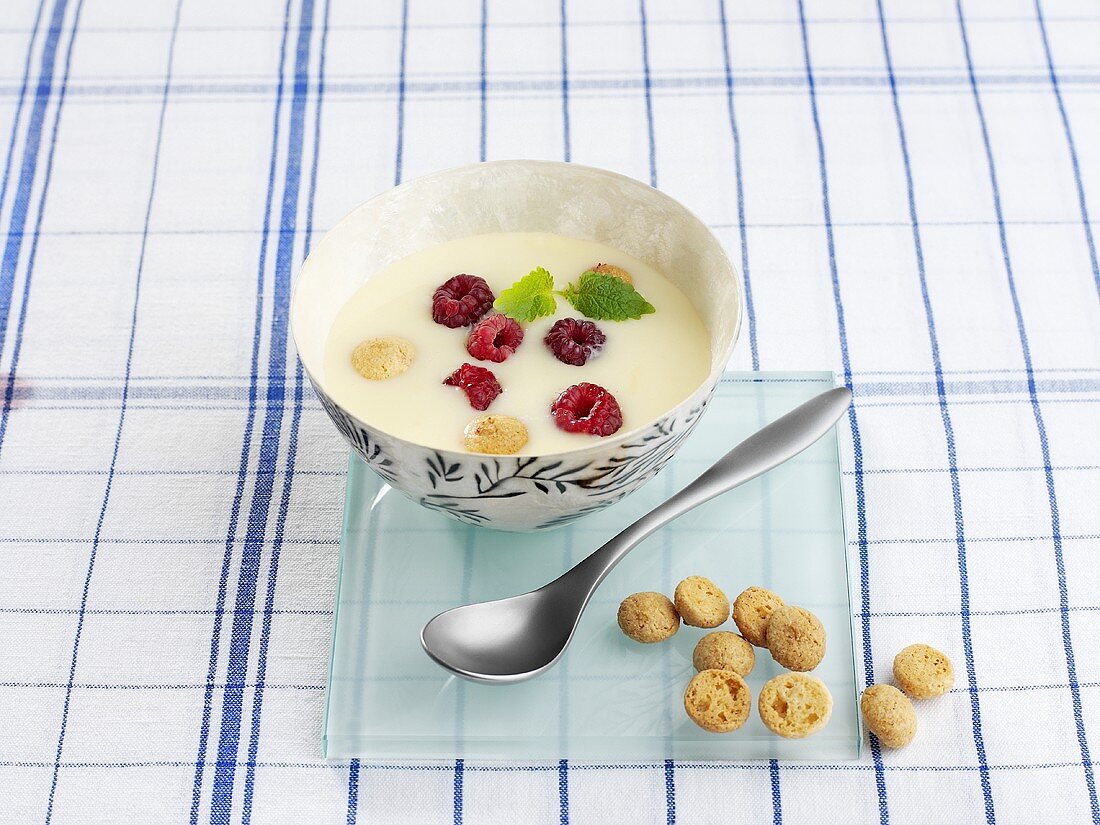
(518, 492)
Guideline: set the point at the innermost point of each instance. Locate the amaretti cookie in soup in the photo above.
(515, 343)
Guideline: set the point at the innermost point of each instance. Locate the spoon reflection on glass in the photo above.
(509, 640)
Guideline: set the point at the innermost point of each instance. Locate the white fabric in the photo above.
(163, 178)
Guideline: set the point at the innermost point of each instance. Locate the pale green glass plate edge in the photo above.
(826, 378)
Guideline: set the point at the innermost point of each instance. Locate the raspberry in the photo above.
(494, 338)
(479, 384)
(574, 341)
(461, 300)
(587, 408)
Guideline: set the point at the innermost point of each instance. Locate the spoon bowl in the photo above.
(507, 640)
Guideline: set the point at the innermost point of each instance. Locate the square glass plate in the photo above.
(609, 698)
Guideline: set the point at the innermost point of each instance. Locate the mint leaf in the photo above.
(531, 297)
(606, 298)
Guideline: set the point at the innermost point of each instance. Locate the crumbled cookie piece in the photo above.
(751, 611)
(495, 435)
(614, 272)
(795, 705)
(796, 638)
(701, 602)
(377, 359)
(889, 715)
(923, 672)
(717, 700)
(724, 650)
(648, 617)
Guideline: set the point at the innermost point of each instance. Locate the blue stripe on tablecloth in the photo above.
(315, 541)
(129, 366)
(72, 611)
(1040, 425)
(750, 307)
(483, 88)
(292, 453)
(401, 93)
(246, 441)
(563, 789)
(353, 792)
(648, 87)
(857, 443)
(777, 793)
(269, 599)
(948, 428)
(459, 768)
(29, 164)
(241, 635)
(101, 390)
(18, 116)
(199, 231)
(1070, 143)
(864, 405)
(9, 263)
(670, 22)
(670, 792)
(609, 678)
(353, 767)
(333, 765)
(467, 85)
(851, 82)
(567, 146)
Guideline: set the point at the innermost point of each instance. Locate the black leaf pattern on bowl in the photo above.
(371, 451)
(457, 486)
(469, 515)
(438, 470)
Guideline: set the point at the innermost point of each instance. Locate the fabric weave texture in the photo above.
(910, 190)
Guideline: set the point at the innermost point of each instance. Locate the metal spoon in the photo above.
(509, 640)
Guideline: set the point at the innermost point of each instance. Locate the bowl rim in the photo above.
(718, 366)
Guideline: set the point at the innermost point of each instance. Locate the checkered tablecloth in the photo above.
(908, 188)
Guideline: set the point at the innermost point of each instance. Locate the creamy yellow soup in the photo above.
(650, 364)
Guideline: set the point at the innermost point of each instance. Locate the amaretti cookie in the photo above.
(795, 705)
(613, 271)
(923, 672)
(648, 617)
(724, 650)
(889, 715)
(718, 700)
(377, 359)
(701, 602)
(751, 611)
(796, 638)
(495, 434)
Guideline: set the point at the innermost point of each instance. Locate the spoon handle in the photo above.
(769, 447)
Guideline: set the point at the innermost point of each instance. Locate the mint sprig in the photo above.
(594, 295)
(529, 298)
(606, 298)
